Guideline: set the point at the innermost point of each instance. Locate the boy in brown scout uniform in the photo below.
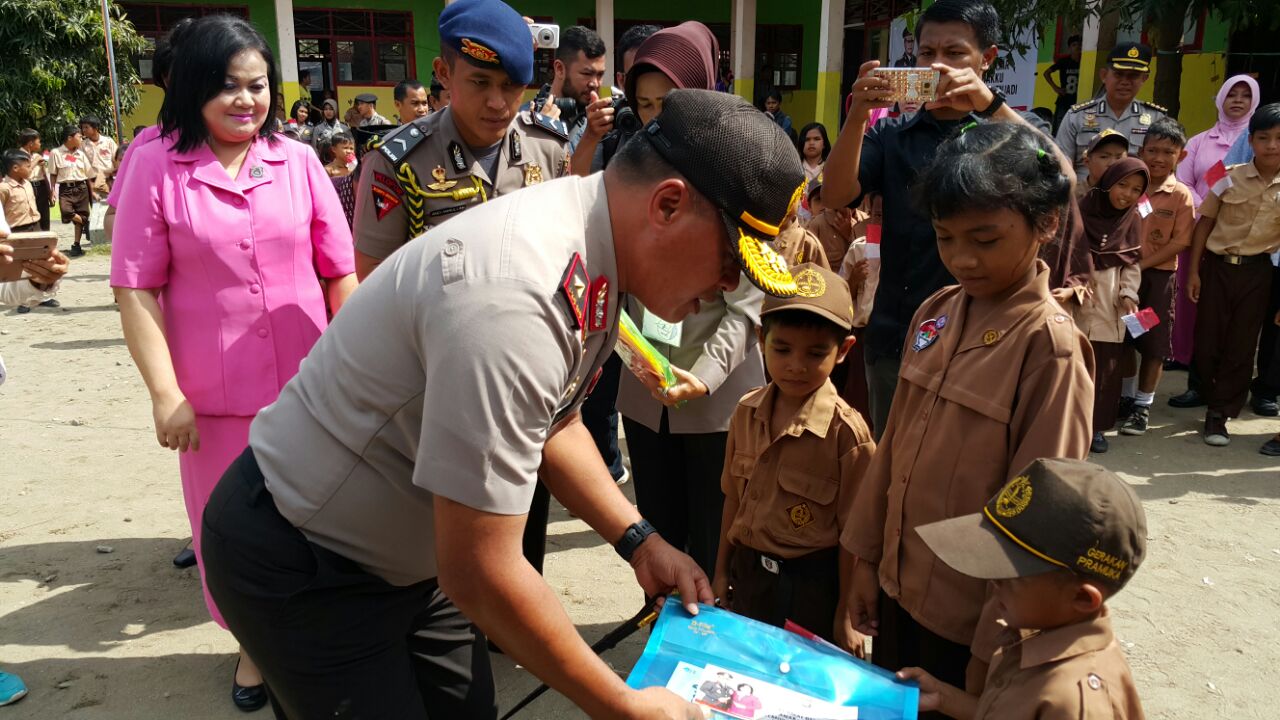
(29, 140)
(16, 194)
(1238, 229)
(994, 376)
(1058, 541)
(69, 172)
(795, 456)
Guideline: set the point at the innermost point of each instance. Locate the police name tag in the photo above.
(659, 330)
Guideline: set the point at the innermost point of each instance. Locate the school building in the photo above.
(809, 49)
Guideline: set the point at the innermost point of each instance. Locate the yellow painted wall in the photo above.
(148, 109)
(828, 102)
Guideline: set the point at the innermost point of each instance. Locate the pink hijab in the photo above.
(1207, 148)
(1229, 130)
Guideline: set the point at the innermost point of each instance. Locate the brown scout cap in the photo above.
(1108, 136)
(1056, 514)
(819, 291)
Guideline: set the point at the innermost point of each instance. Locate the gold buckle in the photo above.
(1233, 259)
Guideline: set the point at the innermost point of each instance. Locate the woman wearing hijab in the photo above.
(1237, 100)
(325, 128)
(1113, 228)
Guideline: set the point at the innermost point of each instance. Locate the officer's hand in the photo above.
(549, 108)
(660, 569)
(863, 599)
(869, 92)
(599, 117)
(930, 687)
(687, 387)
(657, 703)
(1193, 287)
(961, 89)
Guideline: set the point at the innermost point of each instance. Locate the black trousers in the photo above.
(42, 190)
(903, 642)
(332, 640)
(804, 590)
(677, 481)
(1232, 309)
(1267, 383)
(600, 415)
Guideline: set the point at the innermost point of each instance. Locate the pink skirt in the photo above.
(222, 439)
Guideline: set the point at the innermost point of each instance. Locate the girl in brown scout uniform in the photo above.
(994, 376)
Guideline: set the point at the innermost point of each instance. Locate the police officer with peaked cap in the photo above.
(1119, 109)
(379, 508)
(478, 148)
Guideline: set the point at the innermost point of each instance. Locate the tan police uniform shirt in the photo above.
(797, 246)
(102, 158)
(1247, 214)
(795, 491)
(387, 212)
(444, 375)
(989, 395)
(826, 227)
(1076, 672)
(1083, 122)
(1172, 218)
(19, 201)
(69, 166)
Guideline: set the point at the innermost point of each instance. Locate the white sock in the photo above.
(1130, 387)
(1144, 399)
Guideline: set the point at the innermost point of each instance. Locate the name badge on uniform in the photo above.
(655, 328)
(928, 332)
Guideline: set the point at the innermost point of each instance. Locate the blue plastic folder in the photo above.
(747, 670)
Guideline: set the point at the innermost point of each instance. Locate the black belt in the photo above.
(1243, 259)
(815, 563)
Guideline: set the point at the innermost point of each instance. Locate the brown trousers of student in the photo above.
(1229, 317)
(1106, 384)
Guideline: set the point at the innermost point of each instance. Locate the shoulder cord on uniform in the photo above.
(416, 197)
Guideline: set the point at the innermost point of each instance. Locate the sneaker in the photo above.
(1125, 408)
(75, 251)
(1136, 422)
(624, 478)
(1264, 407)
(12, 688)
(1188, 399)
(1215, 430)
(23, 309)
(1271, 448)
(1099, 444)
(51, 302)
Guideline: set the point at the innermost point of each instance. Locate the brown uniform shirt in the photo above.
(825, 227)
(68, 165)
(797, 246)
(102, 158)
(19, 201)
(795, 491)
(1073, 672)
(1172, 218)
(1248, 214)
(988, 396)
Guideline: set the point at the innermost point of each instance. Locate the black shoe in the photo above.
(247, 699)
(23, 309)
(1125, 408)
(1171, 365)
(51, 303)
(1136, 422)
(1265, 407)
(1099, 444)
(1271, 447)
(75, 251)
(185, 559)
(1188, 399)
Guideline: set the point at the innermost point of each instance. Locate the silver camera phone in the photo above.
(546, 37)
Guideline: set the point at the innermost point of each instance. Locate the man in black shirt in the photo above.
(1068, 83)
(957, 38)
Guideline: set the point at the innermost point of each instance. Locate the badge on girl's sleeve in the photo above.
(928, 333)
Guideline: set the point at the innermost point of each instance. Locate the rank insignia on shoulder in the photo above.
(599, 304)
(440, 184)
(396, 144)
(573, 287)
(927, 334)
(550, 124)
(532, 174)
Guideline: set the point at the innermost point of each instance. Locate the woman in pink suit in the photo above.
(1236, 101)
(230, 251)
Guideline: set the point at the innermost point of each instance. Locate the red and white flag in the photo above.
(1218, 179)
(1144, 206)
(873, 241)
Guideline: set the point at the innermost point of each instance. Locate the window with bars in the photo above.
(778, 52)
(153, 21)
(354, 47)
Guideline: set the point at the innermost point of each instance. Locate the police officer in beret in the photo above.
(379, 508)
(477, 149)
(1128, 67)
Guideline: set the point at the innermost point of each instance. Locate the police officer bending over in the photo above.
(476, 149)
(379, 508)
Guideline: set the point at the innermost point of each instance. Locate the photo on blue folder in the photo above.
(747, 670)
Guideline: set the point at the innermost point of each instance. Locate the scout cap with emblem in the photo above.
(1130, 56)
(743, 163)
(1056, 514)
(1108, 137)
(491, 35)
(819, 291)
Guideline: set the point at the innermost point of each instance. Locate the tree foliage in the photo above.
(55, 65)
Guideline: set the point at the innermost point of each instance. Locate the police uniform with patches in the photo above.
(1084, 121)
(423, 173)
(793, 493)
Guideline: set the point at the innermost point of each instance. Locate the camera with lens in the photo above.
(624, 118)
(545, 36)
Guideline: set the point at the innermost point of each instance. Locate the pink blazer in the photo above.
(237, 263)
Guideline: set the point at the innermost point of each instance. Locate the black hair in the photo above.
(92, 121)
(577, 38)
(69, 132)
(979, 15)
(137, 130)
(437, 87)
(993, 166)
(162, 60)
(199, 72)
(774, 94)
(1044, 113)
(403, 87)
(27, 135)
(748, 687)
(802, 319)
(293, 110)
(1166, 128)
(1075, 39)
(341, 136)
(906, 33)
(637, 161)
(1266, 117)
(11, 158)
(633, 38)
(804, 132)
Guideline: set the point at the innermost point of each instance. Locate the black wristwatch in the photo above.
(997, 102)
(632, 538)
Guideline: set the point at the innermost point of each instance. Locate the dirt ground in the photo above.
(100, 625)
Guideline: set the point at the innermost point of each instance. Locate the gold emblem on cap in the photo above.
(990, 337)
(810, 284)
(1014, 498)
(478, 51)
(766, 268)
(1133, 52)
(440, 184)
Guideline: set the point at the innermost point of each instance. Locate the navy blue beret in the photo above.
(489, 34)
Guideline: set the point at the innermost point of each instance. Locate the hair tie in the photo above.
(968, 127)
(1040, 152)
